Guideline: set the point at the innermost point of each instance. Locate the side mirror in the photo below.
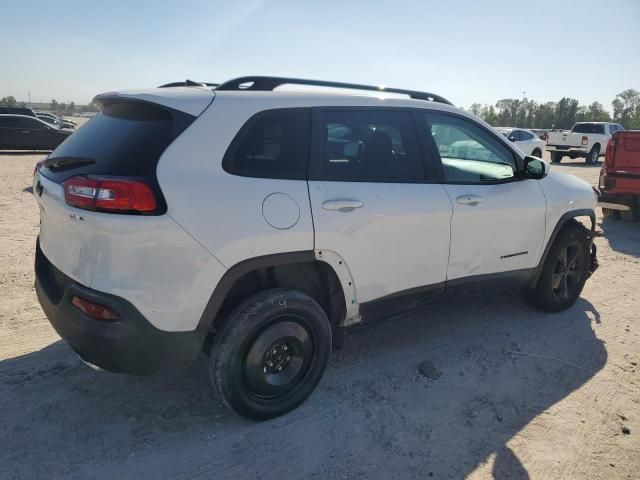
(535, 168)
(512, 139)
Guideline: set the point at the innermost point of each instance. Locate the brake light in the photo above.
(37, 167)
(94, 310)
(109, 195)
(585, 140)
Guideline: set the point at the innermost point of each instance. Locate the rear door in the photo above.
(374, 201)
(35, 134)
(498, 222)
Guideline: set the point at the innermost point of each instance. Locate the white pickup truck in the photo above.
(586, 139)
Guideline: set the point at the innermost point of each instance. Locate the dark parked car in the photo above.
(22, 132)
(17, 111)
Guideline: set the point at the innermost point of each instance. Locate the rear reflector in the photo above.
(94, 310)
(109, 195)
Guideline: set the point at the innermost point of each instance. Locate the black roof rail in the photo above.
(258, 83)
(189, 83)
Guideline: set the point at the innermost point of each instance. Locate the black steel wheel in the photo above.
(270, 353)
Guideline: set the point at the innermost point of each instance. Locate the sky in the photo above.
(465, 50)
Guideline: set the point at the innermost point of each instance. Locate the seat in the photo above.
(379, 158)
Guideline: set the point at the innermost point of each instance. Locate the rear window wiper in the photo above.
(65, 163)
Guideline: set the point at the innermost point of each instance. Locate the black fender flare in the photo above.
(564, 219)
(240, 269)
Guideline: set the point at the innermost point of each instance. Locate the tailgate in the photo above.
(64, 238)
(627, 157)
(565, 139)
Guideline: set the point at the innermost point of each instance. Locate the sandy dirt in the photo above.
(519, 393)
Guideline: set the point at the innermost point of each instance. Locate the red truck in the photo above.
(620, 176)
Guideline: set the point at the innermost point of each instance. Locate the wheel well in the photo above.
(316, 279)
(569, 218)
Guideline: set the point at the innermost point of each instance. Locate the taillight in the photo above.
(94, 310)
(585, 140)
(37, 167)
(109, 195)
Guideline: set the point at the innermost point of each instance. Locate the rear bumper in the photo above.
(127, 345)
(567, 150)
(611, 186)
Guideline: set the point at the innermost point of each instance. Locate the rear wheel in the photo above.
(565, 270)
(556, 157)
(271, 353)
(594, 155)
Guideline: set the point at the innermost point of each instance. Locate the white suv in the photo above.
(255, 222)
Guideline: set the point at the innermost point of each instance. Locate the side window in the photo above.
(525, 135)
(515, 136)
(469, 153)
(30, 123)
(8, 122)
(368, 146)
(272, 144)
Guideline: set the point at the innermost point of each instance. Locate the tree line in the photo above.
(61, 108)
(525, 113)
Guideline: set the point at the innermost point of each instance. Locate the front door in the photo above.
(498, 222)
(373, 203)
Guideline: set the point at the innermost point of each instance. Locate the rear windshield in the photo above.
(125, 139)
(588, 128)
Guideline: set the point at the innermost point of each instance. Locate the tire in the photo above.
(270, 353)
(536, 153)
(610, 213)
(556, 157)
(564, 272)
(594, 155)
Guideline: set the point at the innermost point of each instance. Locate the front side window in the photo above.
(31, 124)
(469, 153)
(272, 144)
(368, 146)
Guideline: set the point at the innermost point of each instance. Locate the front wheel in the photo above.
(270, 353)
(594, 155)
(537, 153)
(564, 272)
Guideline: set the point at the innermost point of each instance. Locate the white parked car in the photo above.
(586, 140)
(525, 140)
(256, 223)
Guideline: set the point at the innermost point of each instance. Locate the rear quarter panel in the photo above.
(148, 260)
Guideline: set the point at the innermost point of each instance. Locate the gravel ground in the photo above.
(515, 394)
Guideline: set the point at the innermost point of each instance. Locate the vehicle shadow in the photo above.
(623, 236)
(497, 365)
